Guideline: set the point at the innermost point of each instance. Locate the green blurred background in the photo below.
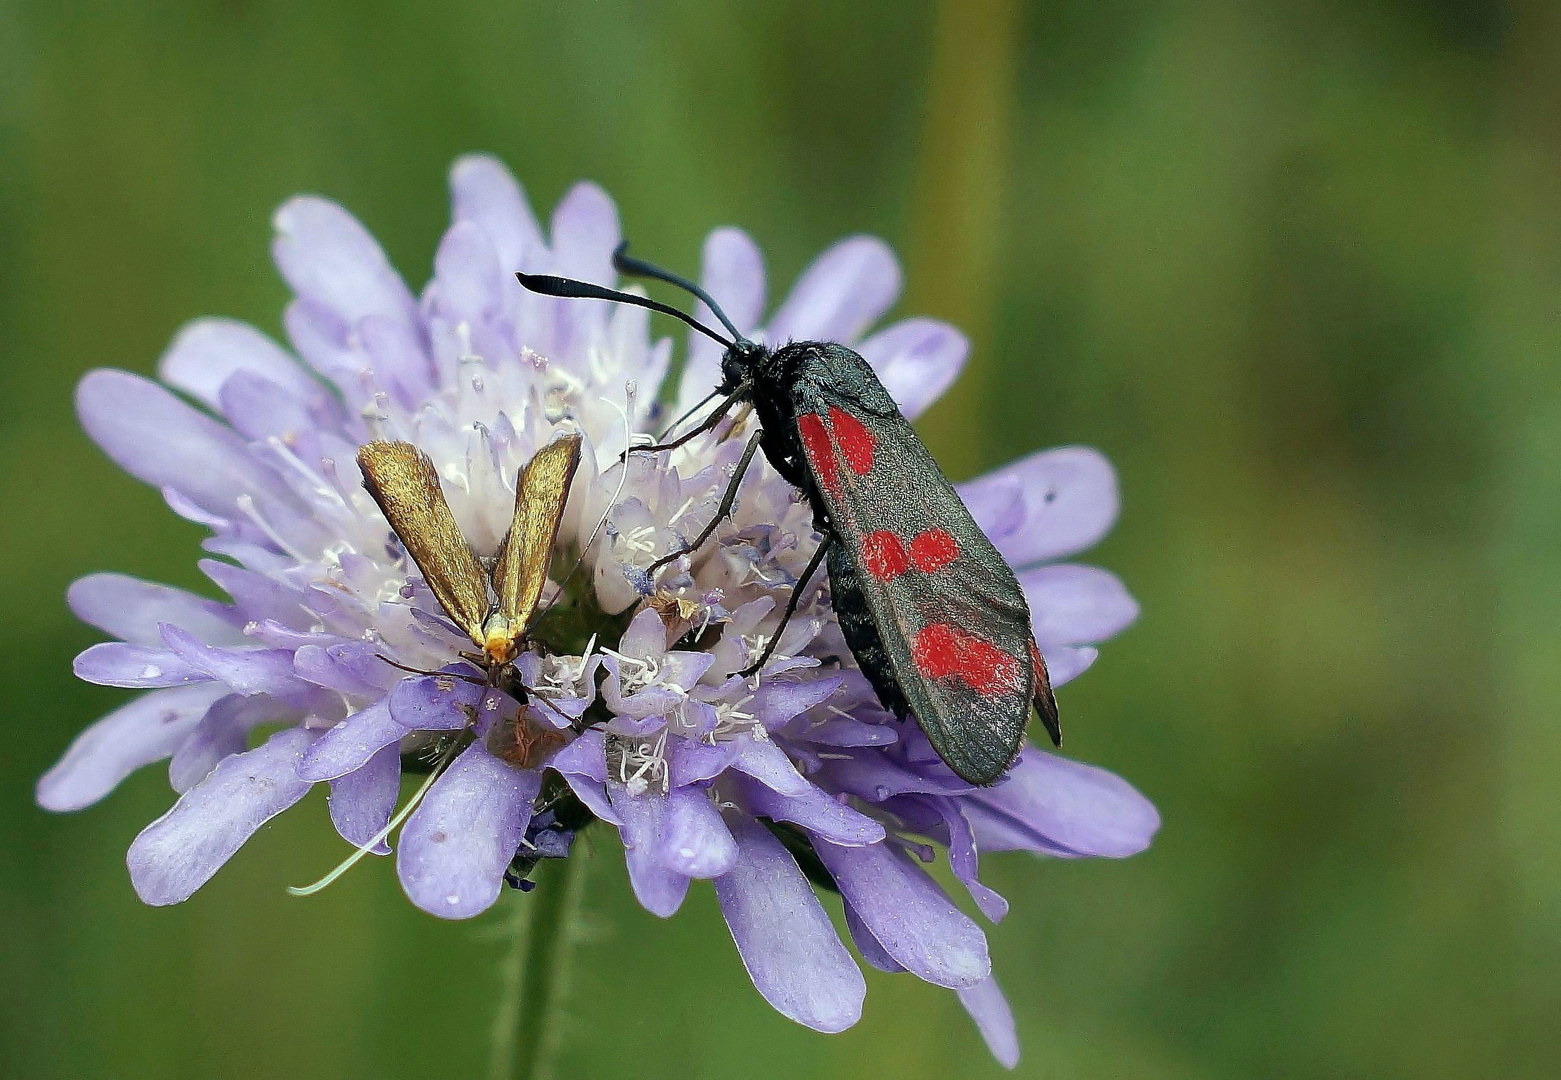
(1294, 265)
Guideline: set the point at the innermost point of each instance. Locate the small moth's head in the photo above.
(501, 638)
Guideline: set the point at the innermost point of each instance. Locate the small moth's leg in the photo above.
(791, 604)
(707, 424)
(446, 674)
(721, 511)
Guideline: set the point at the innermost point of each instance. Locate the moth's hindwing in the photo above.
(540, 493)
(406, 485)
(950, 618)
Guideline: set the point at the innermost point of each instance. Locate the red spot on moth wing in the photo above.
(815, 441)
(856, 442)
(940, 650)
(933, 550)
(884, 555)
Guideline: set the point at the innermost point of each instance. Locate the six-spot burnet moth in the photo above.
(933, 614)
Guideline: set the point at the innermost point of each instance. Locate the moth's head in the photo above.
(501, 638)
(740, 363)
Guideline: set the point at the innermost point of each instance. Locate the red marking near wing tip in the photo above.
(933, 550)
(815, 440)
(884, 555)
(856, 442)
(940, 650)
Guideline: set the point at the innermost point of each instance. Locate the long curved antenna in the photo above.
(549, 285)
(628, 265)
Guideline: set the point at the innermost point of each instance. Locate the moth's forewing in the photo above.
(943, 620)
(406, 485)
(521, 568)
(1045, 700)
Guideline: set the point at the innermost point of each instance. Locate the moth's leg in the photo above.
(721, 511)
(791, 604)
(707, 424)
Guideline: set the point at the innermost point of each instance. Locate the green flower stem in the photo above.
(544, 929)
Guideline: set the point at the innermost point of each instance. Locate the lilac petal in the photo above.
(917, 360)
(840, 295)
(994, 1019)
(319, 335)
(483, 191)
(690, 761)
(351, 744)
(815, 810)
(1072, 604)
(768, 764)
(157, 438)
(586, 756)
(659, 889)
(785, 939)
(875, 778)
(694, 840)
(222, 732)
(434, 702)
(397, 357)
(583, 765)
(909, 914)
(145, 730)
(1069, 498)
(471, 281)
(1064, 663)
(362, 801)
(777, 701)
(258, 596)
(459, 841)
(114, 663)
(963, 858)
(847, 731)
(352, 667)
(585, 233)
(645, 636)
(261, 409)
(207, 352)
(180, 851)
(733, 273)
(685, 668)
(328, 257)
(249, 671)
(1050, 802)
(868, 945)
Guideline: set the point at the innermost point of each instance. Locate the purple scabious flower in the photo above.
(770, 786)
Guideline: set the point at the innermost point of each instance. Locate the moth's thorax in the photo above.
(501, 638)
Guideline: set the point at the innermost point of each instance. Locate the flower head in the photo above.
(629, 705)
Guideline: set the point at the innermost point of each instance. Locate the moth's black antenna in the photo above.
(548, 285)
(628, 265)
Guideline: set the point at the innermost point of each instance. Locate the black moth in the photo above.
(932, 612)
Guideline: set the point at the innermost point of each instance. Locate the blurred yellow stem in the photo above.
(953, 246)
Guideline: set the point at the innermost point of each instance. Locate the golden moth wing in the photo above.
(522, 565)
(406, 485)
